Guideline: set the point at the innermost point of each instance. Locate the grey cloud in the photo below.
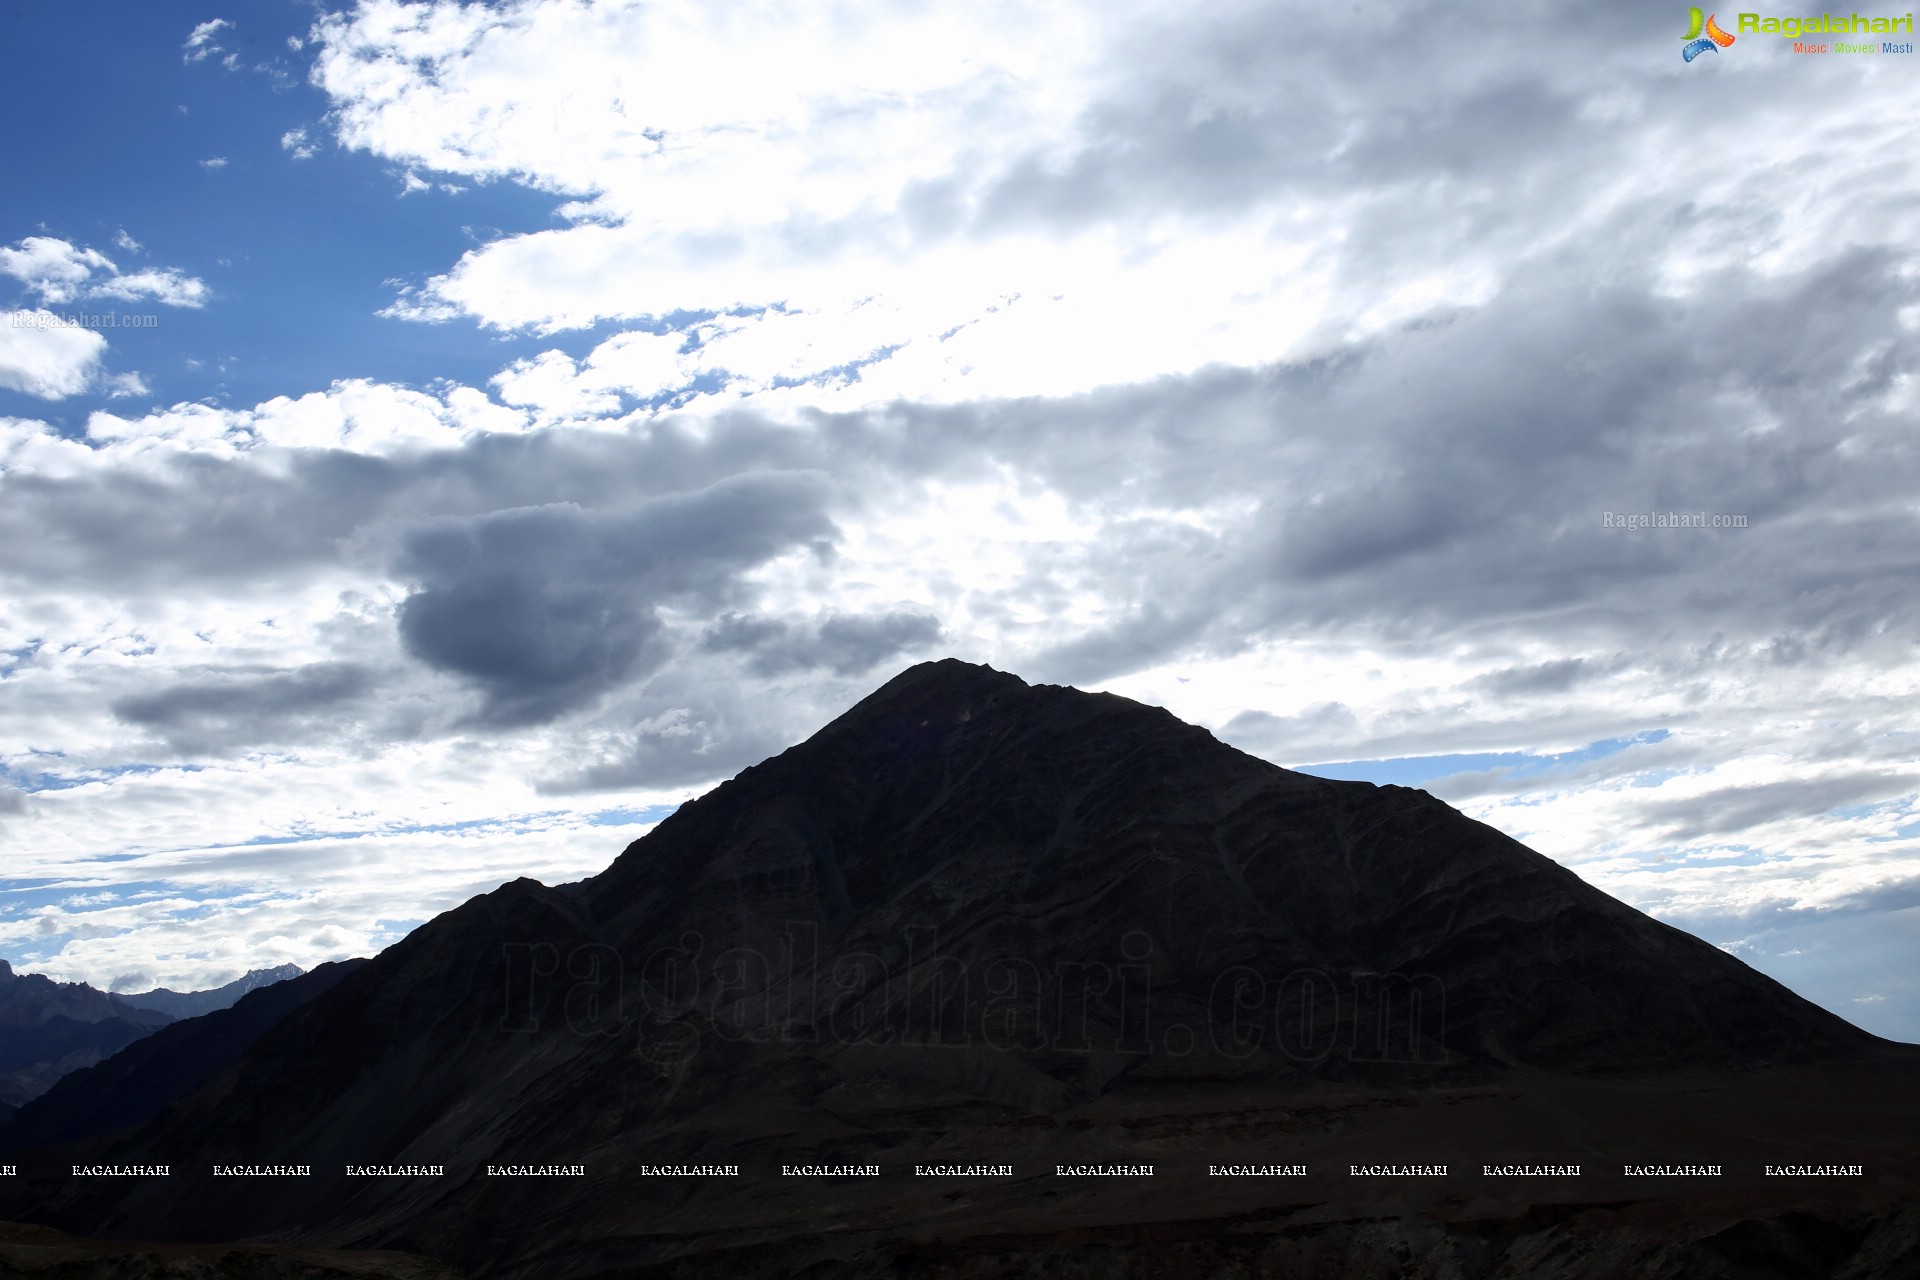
(845, 645)
(683, 734)
(544, 609)
(12, 801)
(1726, 812)
(1443, 480)
(207, 518)
(1556, 676)
(246, 695)
(1439, 483)
(1321, 732)
(1407, 107)
(1501, 124)
(652, 761)
(1132, 642)
(230, 709)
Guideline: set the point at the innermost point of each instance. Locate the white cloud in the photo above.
(58, 271)
(124, 241)
(204, 40)
(295, 141)
(28, 446)
(163, 285)
(214, 162)
(958, 191)
(41, 356)
(359, 415)
(54, 269)
(122, 385)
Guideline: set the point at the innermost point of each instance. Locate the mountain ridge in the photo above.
(49, 1028)
(191, 1004)
(137, 1083)
(972, 917)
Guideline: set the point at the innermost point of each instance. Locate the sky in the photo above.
(438, 439)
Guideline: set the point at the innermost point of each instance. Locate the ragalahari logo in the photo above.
(1698, 44)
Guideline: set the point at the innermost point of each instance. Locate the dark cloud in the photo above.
(238, 694)
(216, 712)
(1557, 676)
(544, 609)
(1717, 815)
(844, 645)
(211, 518)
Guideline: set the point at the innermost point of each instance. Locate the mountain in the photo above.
(49, 1028)
(191, 1004)
(142, 1080)
(39, 1252)
(978, 921)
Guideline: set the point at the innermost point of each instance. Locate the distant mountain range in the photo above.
(974, 923)
(49, 1028)
(191, 1004)
(143, 1079)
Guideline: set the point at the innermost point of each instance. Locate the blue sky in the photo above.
(552, 408)
(293, 253)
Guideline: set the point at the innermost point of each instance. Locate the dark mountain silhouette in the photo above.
(49, 1028)
(39, 1252)
(974, 920)
(191, 1004)
(142, 1080)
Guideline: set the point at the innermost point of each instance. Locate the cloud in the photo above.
(167, 287)
(204, 42)
(1120, 192)
(214, 162)
(1731, 811)
(58, 271)
(1552, 677)
(41, 356)
(223, 710)
(54, 269)
(846, 646)
(295, 141)
(124, 385)
(546, 608)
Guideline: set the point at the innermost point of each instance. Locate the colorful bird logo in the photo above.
(1698, 44)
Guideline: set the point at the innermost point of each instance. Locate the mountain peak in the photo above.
(969, 915)
(944, 691)
(191, 1004)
